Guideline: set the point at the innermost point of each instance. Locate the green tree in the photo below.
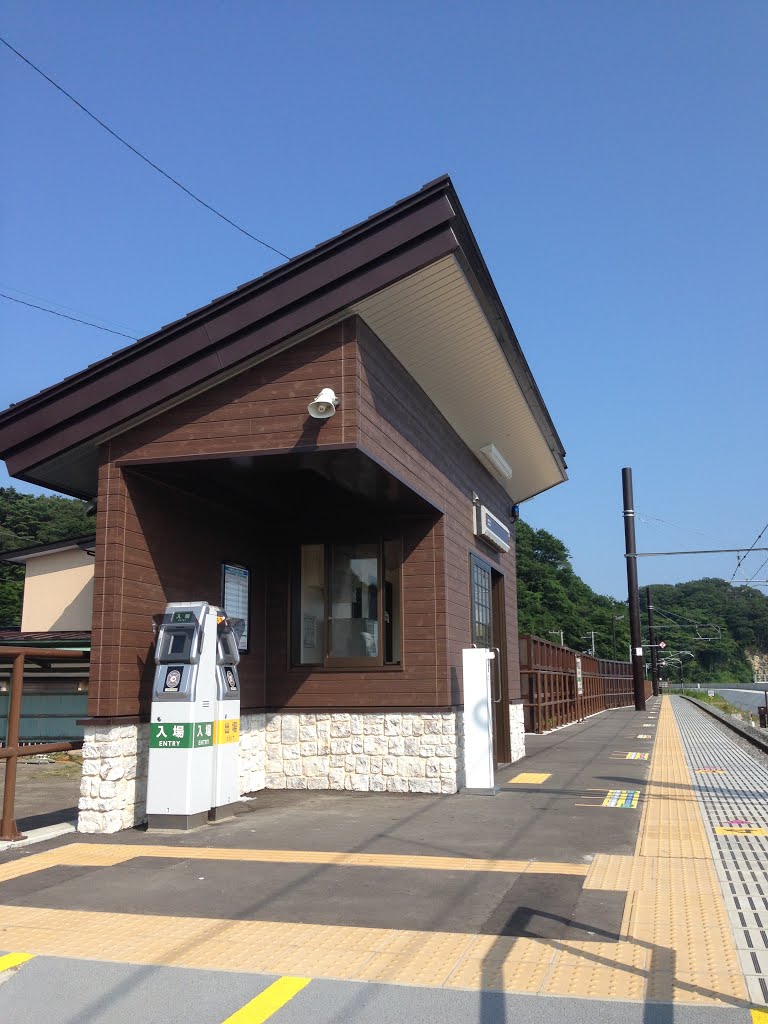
(551, 597)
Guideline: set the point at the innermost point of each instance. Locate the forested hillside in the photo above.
(26, 520)
(714, 621)
(551, 597)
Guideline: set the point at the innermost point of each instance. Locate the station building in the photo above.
(365, 548)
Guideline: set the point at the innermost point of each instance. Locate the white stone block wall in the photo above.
(113, 790)
(396, 752)
(517, 731)
(252, 744)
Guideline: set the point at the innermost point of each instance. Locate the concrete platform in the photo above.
(589, 876)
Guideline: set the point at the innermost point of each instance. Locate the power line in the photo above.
(76, 319)
(70, 309)
(139, 154)
(752, 578)
(687, 529)
(741, 559)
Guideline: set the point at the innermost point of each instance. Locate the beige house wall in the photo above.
(58, 591)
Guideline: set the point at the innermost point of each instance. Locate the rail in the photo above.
(550, 687)
(12, 751)
(754, 736)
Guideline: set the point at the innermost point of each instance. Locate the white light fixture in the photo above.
(496, 461)
(324, 406)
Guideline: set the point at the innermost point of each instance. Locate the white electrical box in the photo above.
(491, 529)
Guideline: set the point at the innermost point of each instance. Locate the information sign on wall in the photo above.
(579, 679)
(235, 593)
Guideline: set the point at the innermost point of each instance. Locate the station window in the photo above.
(347, 599)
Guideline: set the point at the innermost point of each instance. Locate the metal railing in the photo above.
(12, 751)
(550, 689)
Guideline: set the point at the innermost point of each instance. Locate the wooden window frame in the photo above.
(331, 663)
(480, 563)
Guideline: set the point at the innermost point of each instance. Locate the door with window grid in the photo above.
(488, 630)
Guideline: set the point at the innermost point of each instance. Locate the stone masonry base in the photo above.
(517, 731)
(396, 752)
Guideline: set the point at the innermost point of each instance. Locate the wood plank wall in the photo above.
(144, 529)
(402, 427)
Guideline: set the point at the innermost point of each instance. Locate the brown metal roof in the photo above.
(52, 638)
(217, 338)
(22, 554)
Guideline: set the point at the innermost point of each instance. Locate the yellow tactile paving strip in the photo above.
(676, 943)
(531, 778)
(85, 854)
(674, 909)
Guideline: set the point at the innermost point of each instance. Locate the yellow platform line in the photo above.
(14, 960)
(269, 1001)
(88, 855)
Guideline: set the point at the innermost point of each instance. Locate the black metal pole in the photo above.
(652, 642)
(638, 667)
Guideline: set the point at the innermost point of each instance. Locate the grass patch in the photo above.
(716, 702)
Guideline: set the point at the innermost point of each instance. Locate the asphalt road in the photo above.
(748, 700)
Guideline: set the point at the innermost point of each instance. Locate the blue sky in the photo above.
(611, 157)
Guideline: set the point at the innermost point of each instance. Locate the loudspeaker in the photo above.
(324, 406)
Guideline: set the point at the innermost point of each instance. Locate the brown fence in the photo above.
(13, 750)
(550, 687)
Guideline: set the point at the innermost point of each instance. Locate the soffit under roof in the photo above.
(434, 325)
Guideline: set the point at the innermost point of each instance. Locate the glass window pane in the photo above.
(481, 606)
(311, 626)
(392, 630)
(354, 601)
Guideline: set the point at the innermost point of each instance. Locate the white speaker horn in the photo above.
(324, 406)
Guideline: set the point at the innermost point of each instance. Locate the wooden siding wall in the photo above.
(262, 409)
(145, 532)
(402, 428)
(154, 545)
(145, 528)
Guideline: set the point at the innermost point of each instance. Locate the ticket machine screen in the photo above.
(176, 643)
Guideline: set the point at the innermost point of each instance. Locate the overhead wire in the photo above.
(759, 570)
(76, 319)
(141, 155)
(742, 557)
(658, 519)
(70, 309)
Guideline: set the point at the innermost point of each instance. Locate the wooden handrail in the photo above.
(11, 752)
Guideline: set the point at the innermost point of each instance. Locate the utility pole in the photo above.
(591, 637)
(638, 668)
(652, 642)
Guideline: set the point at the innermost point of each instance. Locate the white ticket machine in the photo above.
(180, 774)
(226, 724)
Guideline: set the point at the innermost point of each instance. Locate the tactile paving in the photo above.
(676, 942)
(732, 799)
(85, 854)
